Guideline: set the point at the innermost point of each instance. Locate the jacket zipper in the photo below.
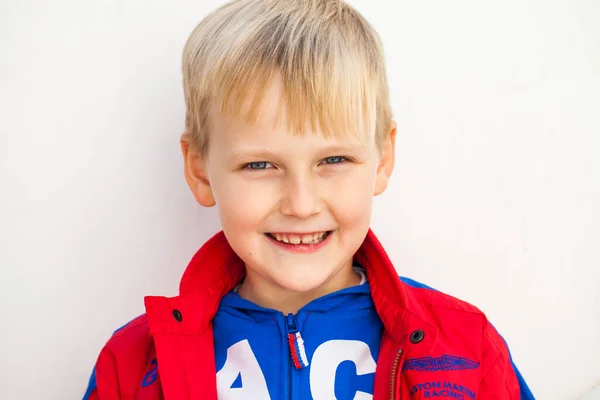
(395, 375)
(290, 328)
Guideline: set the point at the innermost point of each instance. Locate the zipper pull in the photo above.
(296, 343)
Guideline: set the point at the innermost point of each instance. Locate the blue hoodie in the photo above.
(259, 352)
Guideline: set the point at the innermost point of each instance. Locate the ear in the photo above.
(195, 173)
(386, 161)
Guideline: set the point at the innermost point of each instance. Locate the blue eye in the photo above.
(334, 160)
(258, 165)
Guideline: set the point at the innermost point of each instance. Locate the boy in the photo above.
(289, 133)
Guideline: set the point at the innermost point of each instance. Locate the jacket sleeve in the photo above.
(501, 378)
(103, 384)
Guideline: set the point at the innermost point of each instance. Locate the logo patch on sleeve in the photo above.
(150, 376)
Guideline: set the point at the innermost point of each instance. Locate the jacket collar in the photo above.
(215, 270)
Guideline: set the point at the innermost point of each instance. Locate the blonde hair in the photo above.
(328, 57)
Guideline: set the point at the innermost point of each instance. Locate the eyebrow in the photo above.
(349, 148)
(260, 153)
(236, 154)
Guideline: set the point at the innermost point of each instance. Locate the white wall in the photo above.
(495, 199)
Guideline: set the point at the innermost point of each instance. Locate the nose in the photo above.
(300, 197)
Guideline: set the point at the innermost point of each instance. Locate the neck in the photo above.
(268, 294)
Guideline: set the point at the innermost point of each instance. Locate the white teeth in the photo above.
(308, 239)
(297, 239)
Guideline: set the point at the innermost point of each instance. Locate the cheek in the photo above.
(242, 204)
(351, 199)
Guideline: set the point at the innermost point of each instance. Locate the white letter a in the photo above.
(241, 362)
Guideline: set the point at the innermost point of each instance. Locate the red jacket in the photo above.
(433, 346)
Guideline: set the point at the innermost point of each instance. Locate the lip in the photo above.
(301, 248)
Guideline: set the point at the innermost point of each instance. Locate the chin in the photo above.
(303, 281)
(300, 286)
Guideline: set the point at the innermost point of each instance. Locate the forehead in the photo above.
(267, 116)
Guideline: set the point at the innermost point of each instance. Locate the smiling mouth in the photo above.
(298, 239)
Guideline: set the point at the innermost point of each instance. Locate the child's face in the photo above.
(273, 187)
